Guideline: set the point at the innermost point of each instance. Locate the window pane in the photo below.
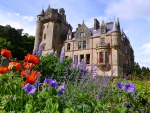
(79, 44)
(81, 57)
(87, 58)
(68, 46)
(84, 44)
(106, 57)
(101, 57)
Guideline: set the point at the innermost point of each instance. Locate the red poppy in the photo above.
(15, 66)
(3, 69)
(32, 78)
(28, 65)
(32, 59)
(24, 73)
(6, 53)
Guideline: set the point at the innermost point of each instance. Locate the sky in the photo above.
(134, 17)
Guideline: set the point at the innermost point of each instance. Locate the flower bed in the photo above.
(52, 85)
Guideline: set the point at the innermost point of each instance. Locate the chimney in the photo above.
(96, 24)
(76, 29)
(79, 25)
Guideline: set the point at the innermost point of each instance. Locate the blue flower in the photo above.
(51, 82)
(29, 88)
(61, 89)
(62, 55)
(40, 49)
(130, 87)
(121, 86)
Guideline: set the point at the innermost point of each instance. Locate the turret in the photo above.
(62, 12)
(38, 30)
(115, 35)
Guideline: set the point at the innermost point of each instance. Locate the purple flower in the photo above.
(130, 87)
(29, 88)
(121, 86)
(76, 61)
(34, 52)
(61, 89)
(40, 49)
(11, 96)
(51, 82)
(62, 55)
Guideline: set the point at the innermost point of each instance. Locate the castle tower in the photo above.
(38, 34)
(116, 38)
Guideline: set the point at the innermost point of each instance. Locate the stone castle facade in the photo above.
(104, 44)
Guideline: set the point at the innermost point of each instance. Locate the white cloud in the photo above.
(129, 9)
(9, 14)
(28, 18)
(144, 62)
(16, 14)
(145, 49)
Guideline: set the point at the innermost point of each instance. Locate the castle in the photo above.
(104, 44)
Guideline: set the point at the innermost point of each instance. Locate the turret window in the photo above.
(79, 44)
(84, 44)
(44, 36)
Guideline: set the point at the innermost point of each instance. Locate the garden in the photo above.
(48, 84)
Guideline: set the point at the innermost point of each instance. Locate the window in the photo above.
(84, 44)
(126, 50)
(87, 58)
(44, 36)
(106, 57)
(101, 57)
(102, 30)
(79, 44)
(82, 34)
(68, 46)
(69, 37)
(120, 62)
(81, 57)
(102, 40)
(127, 62)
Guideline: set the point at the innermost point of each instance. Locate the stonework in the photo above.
(104, 44)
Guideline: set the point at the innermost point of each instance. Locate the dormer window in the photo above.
(102, 30)
(69, 37)
(82, 34)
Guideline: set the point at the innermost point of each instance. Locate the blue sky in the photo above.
(134, 16)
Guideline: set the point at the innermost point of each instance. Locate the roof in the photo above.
(115, 27)
(41, 13)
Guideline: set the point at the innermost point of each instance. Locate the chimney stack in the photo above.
(96, 24)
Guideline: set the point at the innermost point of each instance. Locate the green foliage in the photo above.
(17, 44)
(50, 67)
